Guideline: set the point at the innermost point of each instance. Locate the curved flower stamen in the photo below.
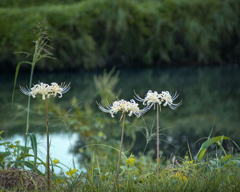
(25, 90)
(108, 110)
(137, 97)
(168, 98)
(65, 88)
(59, 89)
(175, 96)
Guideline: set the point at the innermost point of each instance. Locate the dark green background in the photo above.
(92, 34)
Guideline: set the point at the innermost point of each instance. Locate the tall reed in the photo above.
(41, 45)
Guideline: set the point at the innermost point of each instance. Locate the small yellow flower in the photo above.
(130, 161)
(71, 172)
(59, 180)
(101, 134)
(81, 150)
(55, 161)
(190, 162)
(180, 176)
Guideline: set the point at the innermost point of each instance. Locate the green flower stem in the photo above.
(48, 168)
(157, 143)
(35, 56)
(120, 151)
(28, 111)
(145, 148)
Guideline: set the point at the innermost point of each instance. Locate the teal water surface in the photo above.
(210, 100)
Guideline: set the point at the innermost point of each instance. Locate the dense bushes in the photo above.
(99, 33)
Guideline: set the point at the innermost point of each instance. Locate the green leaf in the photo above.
(5, 143)
(235, 162)
(201, 154)
(42, 162)
(1, 165)
(12, 146)
(225, 159)
(3, 155)
(208, 143)
(16, 74)
(22, 148)
(34, 146)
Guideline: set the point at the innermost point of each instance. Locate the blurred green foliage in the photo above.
(26, 3)
(98, 33)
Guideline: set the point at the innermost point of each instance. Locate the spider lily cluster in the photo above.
(46, 90)
(130, 107)
(151, 98)
(164, 97)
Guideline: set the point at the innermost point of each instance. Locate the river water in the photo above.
(210, 101)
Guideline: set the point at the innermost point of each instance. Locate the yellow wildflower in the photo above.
(55, 161)
(101, 134)
(130, 161)
(70, 172)
(180, 176)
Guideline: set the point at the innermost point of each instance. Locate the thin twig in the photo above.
(157, 143)
(48, 168)
(120, 151)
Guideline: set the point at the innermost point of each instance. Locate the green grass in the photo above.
(181, 175)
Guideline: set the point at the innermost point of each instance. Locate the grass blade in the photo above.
(34, 146)
(16, 74)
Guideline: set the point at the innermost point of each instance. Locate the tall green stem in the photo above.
(48, 168)
(120, 151)
(35, 56)
(157, 143)
(28, 111)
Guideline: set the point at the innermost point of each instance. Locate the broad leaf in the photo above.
(3, 155)
(208, 143)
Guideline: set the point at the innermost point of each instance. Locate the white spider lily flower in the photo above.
(114, 108)
(150, 99)
(134, 109)
(168, 98)
(124, 106)
(59, 89)
(46, 90)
